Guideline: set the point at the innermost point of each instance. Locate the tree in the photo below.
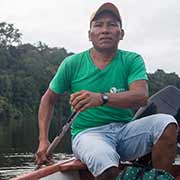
(161, 79)
(41, 46)
(9, 36)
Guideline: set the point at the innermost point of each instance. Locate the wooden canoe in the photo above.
(72, 169)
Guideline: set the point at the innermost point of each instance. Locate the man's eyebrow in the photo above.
(97, 21)
(114, 20)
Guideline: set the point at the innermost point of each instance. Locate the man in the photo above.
(105, 84)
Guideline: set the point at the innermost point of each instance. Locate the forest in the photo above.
(25, 73)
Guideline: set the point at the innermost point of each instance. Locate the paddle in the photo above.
(59, 137)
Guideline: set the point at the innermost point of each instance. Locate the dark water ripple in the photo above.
(12, 165)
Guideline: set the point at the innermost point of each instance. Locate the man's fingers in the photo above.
(41, 162)
(75, 95)
(78, 98)
(84, 99)
(82, 105)
(41, 159)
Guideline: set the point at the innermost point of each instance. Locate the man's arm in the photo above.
(46, 109)
(134, 98)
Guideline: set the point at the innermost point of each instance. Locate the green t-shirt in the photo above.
(78, 72)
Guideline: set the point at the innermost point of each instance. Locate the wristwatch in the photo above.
(105, 98)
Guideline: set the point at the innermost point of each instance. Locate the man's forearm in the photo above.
(44, 116)
(128, 99)
(134, 98)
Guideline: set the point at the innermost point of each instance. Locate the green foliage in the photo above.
(25, 73)
(9, 35)
(4, 109)
(160, 79)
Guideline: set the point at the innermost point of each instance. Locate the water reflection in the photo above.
(12, 165)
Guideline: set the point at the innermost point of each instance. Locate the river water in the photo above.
(12, 165)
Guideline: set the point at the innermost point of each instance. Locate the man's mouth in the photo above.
(105, 38)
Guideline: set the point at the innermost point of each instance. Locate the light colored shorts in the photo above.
(103, 147)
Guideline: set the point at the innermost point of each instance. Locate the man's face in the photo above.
(105, 32)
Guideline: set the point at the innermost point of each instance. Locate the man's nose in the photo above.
(105, 29)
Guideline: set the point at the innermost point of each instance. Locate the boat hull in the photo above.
(72, 170)
(69, 175)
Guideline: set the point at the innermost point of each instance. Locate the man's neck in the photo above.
(104, 56)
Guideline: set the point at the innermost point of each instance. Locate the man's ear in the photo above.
(89, 35)
(121, 34)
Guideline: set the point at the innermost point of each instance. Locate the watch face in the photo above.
(105, 97)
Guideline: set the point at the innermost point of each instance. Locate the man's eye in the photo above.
(97, 25)
(113, 24)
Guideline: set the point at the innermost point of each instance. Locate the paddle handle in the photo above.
(58, 138)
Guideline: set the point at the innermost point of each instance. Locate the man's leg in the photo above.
(96, 147)
(164, 151)
(109, 174)
(142, 136)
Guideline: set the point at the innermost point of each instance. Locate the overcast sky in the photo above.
(152, 27)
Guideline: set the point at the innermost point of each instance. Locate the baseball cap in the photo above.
(106, 7)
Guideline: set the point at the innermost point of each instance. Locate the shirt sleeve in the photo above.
(61, 81)
(137, 70)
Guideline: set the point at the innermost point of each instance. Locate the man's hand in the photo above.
(41, 156)
(84, 99)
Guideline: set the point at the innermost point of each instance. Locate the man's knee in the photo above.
(164, 151)
(170, 134)
(166, 144)
(164, 126)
